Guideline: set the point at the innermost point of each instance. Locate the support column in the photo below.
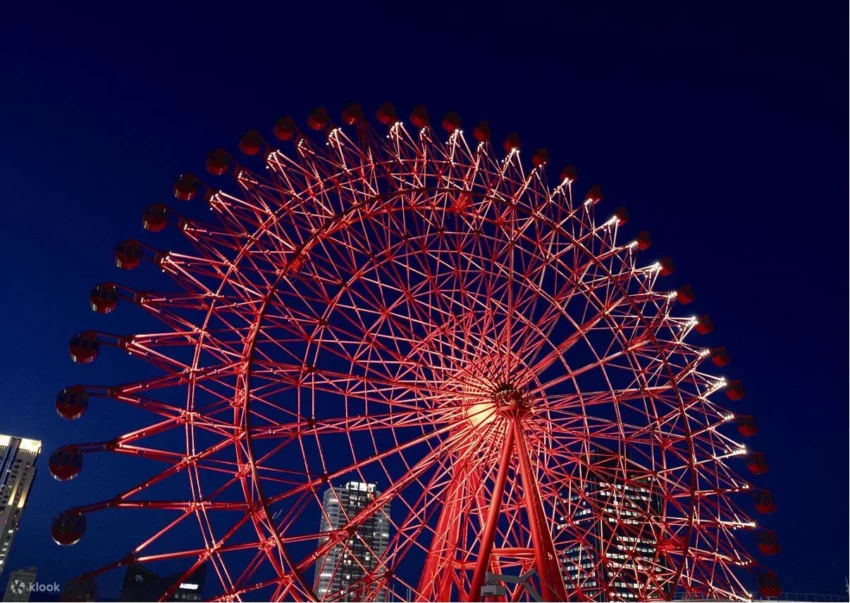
(488, 533)
(546, 560)
(438, 565)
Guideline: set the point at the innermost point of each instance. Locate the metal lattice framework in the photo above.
(430, 316)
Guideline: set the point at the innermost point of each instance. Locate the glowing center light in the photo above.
(480, 413)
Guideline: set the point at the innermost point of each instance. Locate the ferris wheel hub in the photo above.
(508, 398)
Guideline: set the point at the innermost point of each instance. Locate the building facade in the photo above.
(20, 586)
(17, 474)
(613, 537)
(339, 573)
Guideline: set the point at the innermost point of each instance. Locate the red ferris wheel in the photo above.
(428, 317)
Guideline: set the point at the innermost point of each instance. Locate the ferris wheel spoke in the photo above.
(445, 446)
(596, 364)
(575, 402)
(431, 339)
(478, 330)
(409, 393)
(195, 552)
(540, 265)
(502, 295)
(351, 424)
(557, 353)
(573, 284)
(374, 342)
(390, 493)
(204, 377)
(438, 336)
(122, 498)
(415, 521)
(467, 313)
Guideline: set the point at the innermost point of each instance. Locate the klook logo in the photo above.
(20, 587)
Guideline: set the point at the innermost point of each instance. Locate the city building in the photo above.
(20, 585)
(613, 537)
(141, 584)
(17, 474)
(339, 572)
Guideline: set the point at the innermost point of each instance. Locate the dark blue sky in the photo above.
(722, 126)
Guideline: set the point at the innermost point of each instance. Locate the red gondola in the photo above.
(704, 325)
(285, 128)
(720, 357)
(735, 390)
(667, 266)
(769, 585)
(251, 143)
(594, 195)
(685, 294)
(217, 162)
(104, 298)
(644, 240)
(419, 116)
(68, 528)
(540, 157)
(746, 425)
(512, 142)
(65, 463)
(72, 402)
(622, 215)
(451, 122)
(352, 115)
(386, 114)
(482, 132)
(84, 347)
(763, 501)
(757, 463)
(767, 542)
(155, 218)
(185, 187)
(569, 173)
(128, 254)
(318, 119)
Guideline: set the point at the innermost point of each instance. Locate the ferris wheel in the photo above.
(459, 331)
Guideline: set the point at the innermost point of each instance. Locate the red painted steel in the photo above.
(432, 316)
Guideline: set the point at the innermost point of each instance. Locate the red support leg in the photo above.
(450, 578)
(488, 534)
(438, 568)
(551, 580)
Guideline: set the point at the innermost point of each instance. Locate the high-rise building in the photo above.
(17, 474)
(339, 573)
(20, 586)
(613, 534)
(141, 584)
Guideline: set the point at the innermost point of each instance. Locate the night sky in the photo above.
(721, 126)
